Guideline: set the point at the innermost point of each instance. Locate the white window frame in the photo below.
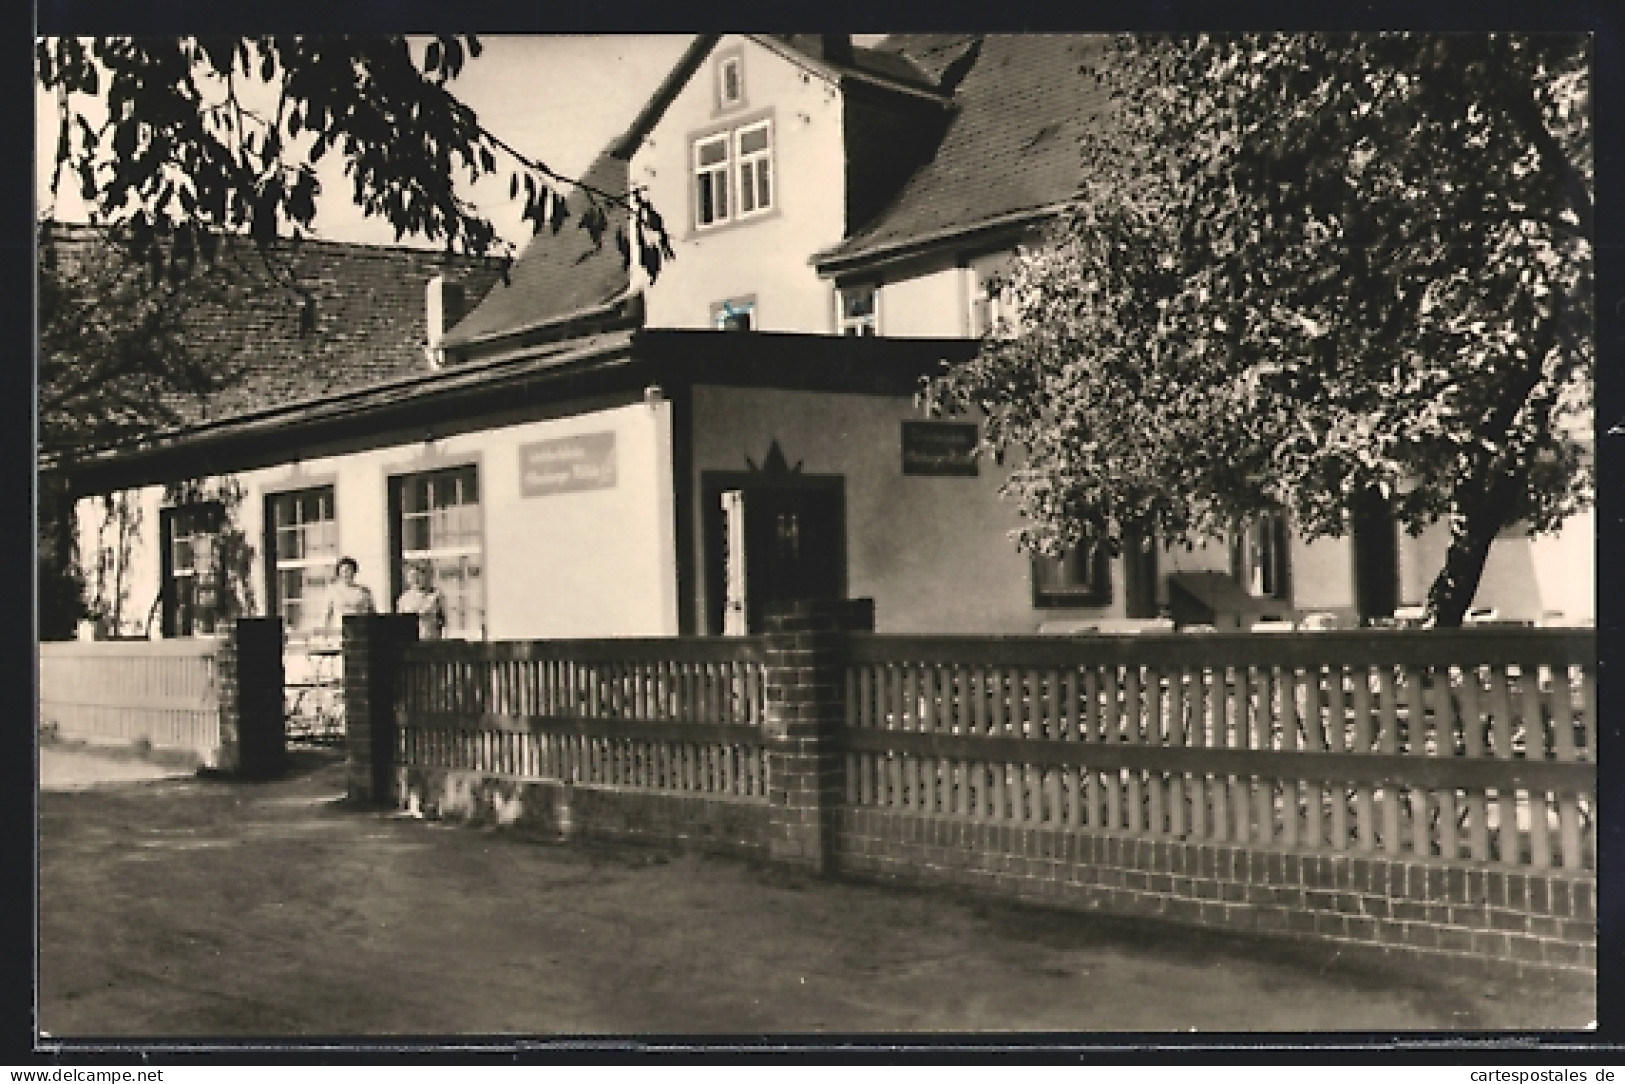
(986, 308)
(198, 542)
(465, 610)
(707, 176)
(314, 562)
(987, 313)
(195, 527)
(857, 325)
(754, 165)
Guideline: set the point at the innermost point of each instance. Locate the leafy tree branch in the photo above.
(1303, 268)
(179, 140)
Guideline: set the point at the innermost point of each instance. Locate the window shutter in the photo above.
(1283, 561)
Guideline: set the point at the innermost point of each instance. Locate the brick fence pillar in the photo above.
(806, 710)
(372, 653)
(248, 668)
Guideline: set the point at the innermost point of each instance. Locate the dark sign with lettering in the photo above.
(567, 465)
(940, 448)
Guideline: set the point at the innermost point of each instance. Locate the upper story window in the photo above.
(711, 181)
(730, 81)
(733, 174)
(755, 168)
(304, 545)
(859, 312)
(735, 314)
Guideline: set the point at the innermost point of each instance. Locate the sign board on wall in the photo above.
(939, 448)
(567, 465)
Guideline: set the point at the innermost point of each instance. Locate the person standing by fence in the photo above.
(346, 596)
(422, 598)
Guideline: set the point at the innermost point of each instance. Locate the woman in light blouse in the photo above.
(424, 600)
(346, 596)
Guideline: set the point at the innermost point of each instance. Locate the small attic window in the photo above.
(735, 314)
(857, 310)
(730, 80)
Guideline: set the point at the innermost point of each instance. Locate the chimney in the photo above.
(443, 307)
(837, 48)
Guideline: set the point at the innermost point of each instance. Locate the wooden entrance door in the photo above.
(794, 539)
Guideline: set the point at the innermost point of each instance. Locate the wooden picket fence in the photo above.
(678, 715)
(125, 692)
(1475, 744)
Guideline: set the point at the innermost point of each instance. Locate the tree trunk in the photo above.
(1457, 582)
(1471, 535)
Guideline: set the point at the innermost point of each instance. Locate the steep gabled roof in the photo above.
(306, 319)
(1009, 155)
(890, 68)
(561, 284)
(561, 278)
(557, 276)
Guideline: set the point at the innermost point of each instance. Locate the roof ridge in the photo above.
(370, 248)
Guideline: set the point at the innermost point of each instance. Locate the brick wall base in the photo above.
(579, 811)
(1475, 921)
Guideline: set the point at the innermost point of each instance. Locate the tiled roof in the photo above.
(1012, 148)
(364, 320)
(932, 54)
(895, 66)
(841, 59)
(557, 275)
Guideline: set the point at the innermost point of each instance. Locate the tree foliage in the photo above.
(113, 362)
(179, 141)
(1301, 268)
(112, 356)
(181, 146)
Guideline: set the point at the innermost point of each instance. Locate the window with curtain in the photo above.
(437, 517)
(1258, 556)
(304, 547)
(190, 592)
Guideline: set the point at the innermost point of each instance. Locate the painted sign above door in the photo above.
(567, 465)
(941, 448)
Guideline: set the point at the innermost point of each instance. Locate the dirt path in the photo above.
(66, 768)
(205, 908)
